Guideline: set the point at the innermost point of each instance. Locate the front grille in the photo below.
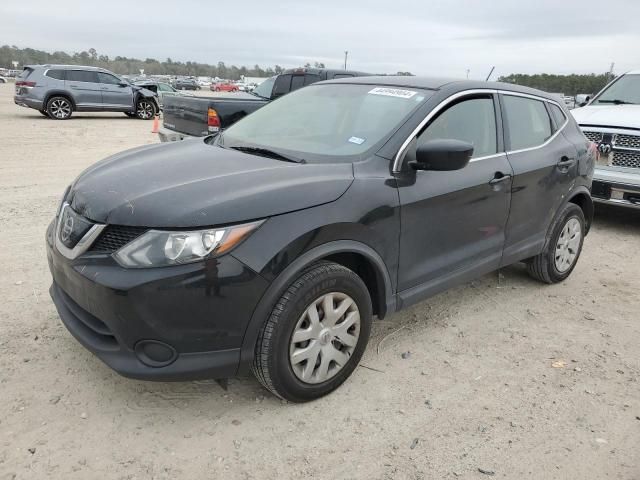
(593, 136)
(627, 141)
(626, 159)
(114, 237)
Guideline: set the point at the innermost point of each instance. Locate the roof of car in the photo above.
(71, 67)
(633, 72)
(436, 83)
(318, 71)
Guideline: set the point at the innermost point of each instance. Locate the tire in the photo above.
(145, 109)
(131, 114)
(276, 351)
(217, 89)
(59, 108)
(562, 247)
(44, 112)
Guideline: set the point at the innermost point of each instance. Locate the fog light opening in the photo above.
(154, 353)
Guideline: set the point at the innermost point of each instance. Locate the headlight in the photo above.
(64, 197)
(158, 248)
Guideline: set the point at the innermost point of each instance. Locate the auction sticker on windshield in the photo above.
(392, 92)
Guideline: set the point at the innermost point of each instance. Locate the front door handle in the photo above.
(499, 178)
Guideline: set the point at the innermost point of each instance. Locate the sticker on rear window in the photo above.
(356, 140)
(392, 92)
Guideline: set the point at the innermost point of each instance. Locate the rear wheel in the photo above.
(315, 335)
(59, 108)
(145, 109)
(562, 247)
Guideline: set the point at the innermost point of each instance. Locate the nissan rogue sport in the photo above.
(270, 247)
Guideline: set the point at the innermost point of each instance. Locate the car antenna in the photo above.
(489, 76)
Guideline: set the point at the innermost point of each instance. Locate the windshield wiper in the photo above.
(616, 102)
(265, 152)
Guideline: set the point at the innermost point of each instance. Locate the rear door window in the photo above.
(558, 115)
(528, 121)
(343, 75)
(82, 76)
(57, 74)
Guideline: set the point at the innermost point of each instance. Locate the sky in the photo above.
(425, 37)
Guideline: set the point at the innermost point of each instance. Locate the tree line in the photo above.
(567, 84)
(132, 66)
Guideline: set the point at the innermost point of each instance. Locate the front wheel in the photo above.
(562, 246)
(145, 109)
(315, 335)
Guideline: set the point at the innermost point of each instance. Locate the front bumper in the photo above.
(171, 324)
(619, 187)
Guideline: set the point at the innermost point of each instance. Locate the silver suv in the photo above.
(57, 91)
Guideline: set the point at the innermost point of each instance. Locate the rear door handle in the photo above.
(499, 178)
(565, 163)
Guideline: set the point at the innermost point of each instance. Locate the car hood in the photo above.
(193, 184)
(608, 115)
(144, 91)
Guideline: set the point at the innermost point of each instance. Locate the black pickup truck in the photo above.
(200, 116)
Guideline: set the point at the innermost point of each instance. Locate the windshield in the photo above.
(622, 91)
(264, 89)
(326, 121)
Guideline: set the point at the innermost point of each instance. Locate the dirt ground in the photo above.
(504, 375)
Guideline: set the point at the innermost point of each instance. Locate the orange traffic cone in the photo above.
(156, 126)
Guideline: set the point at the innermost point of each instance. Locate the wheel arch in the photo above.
(58, 93)
(582, 198)
(354, 255)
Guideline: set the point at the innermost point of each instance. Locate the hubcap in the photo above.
(60, 108)
(145, 110)
(568, 244)
(324, 337)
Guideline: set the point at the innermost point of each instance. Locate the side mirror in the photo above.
(582, 99)
(123, 84)
(442, 155)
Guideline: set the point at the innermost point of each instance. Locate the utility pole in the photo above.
(468, 73)
(346, 53)
(611, 70)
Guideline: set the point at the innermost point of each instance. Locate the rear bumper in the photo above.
(616, 187)
(27, 102)
(166, 135)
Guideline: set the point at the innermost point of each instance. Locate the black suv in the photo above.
(272, 245)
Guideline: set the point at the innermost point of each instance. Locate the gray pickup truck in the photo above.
(200, 116)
